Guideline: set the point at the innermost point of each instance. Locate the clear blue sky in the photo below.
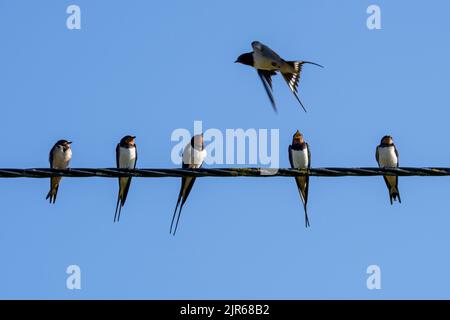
(147, 68)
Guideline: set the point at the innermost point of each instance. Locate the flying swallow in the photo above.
(59, 158)
(387, 157)
(126, 158)
(267, 62)
(300, 158)
(193, 156)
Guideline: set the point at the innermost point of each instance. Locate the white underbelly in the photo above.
(300, 159)
(387, 157)
(127, 158)
(61, 159)
(193, 157)
(264, 63)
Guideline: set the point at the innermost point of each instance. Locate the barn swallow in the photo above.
(267, 62)
(59, 158)
(193, 156)
(300, 158)
(387, 157)
(126, 158)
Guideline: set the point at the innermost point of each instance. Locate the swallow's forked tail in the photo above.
(306, 217)
(119, 206)
(394, 194)
(174, 214)
(293, 78)
(54, 185)
(303, 197)
(52, 195)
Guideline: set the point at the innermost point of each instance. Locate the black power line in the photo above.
(221, 172)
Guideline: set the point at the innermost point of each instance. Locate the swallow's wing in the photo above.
(290, 157)
(127, 186)
(265, 51)
(307, 177)
(302, 185)
(54, 181)
(266, 78)
(392, 187)
(118, 204)
(396, 153)
(190, 183)
(309, 156)
(125, 191)
(396, 177)
(50, 156)
(377, 155)
(136, 156)
(388, 185)
(117, 155)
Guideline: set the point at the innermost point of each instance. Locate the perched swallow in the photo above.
(193, 156)
(59, 158)
(387, 157)
(300, 158)
(267, 62)
(126, 158)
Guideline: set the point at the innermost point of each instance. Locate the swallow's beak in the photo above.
(236, 61)
(134, 137)
(69, 142)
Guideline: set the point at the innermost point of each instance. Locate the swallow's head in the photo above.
(245, 58)
(64, 144)
(297, 138)
(197, 142)
(387, 140)
(128, 141)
